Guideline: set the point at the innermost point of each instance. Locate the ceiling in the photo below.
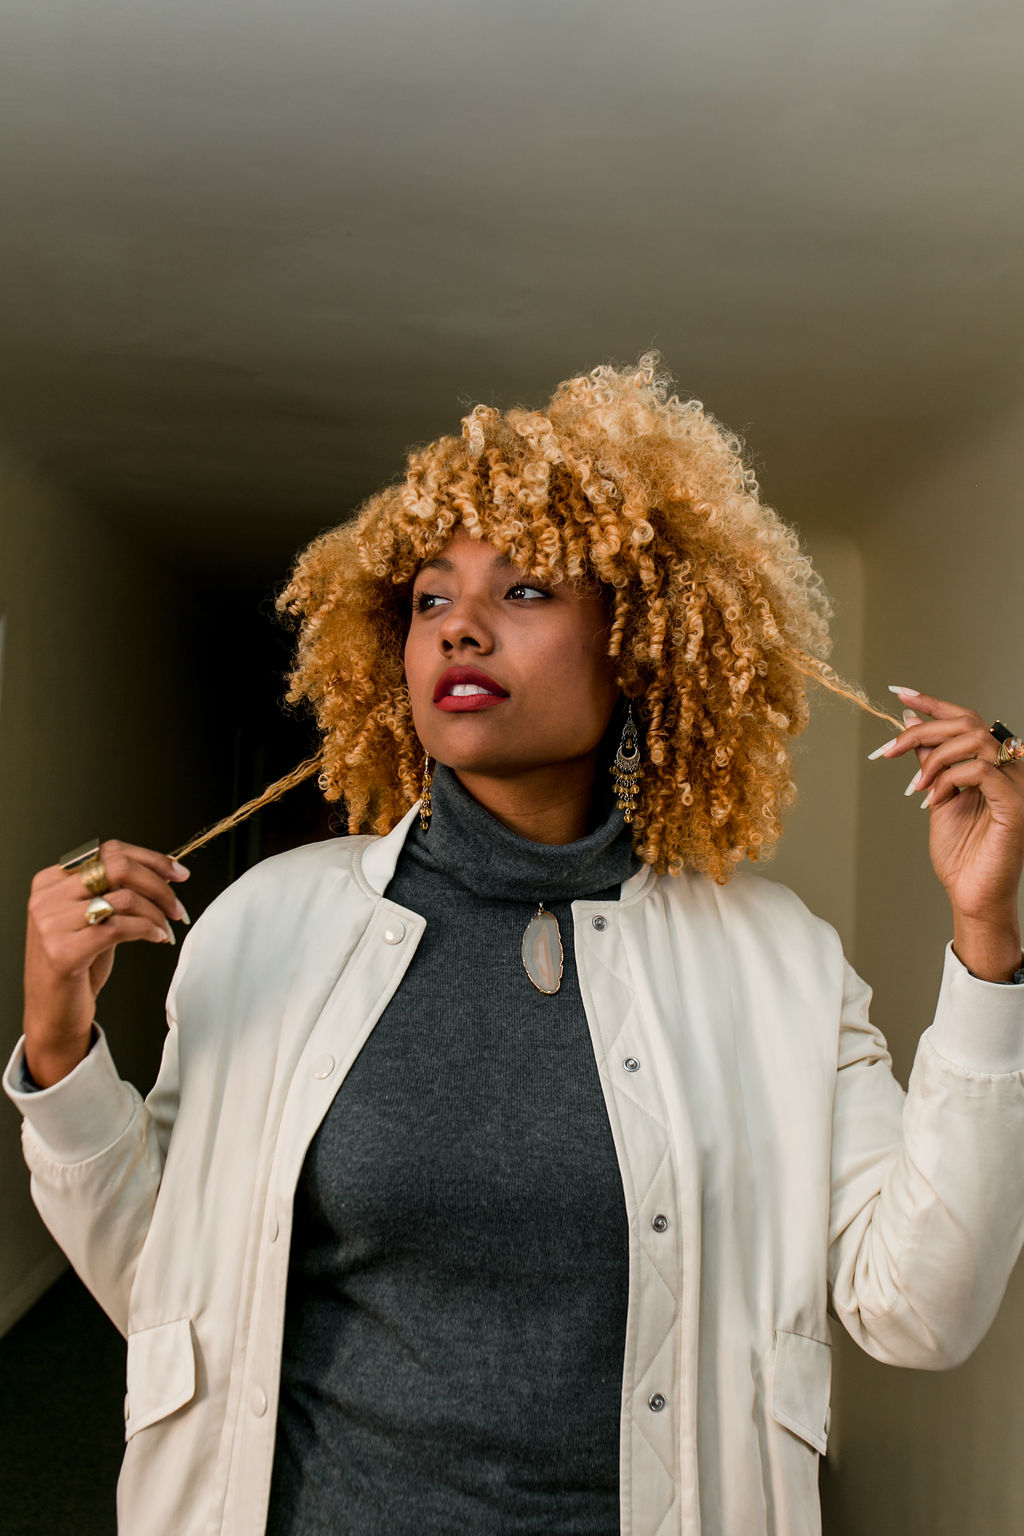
(249, 252)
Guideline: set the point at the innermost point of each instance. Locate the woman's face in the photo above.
(505, 677)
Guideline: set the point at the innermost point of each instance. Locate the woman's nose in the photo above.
(464, 628)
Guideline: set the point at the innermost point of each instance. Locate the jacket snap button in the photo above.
(600, 923)
(273, 1229)
(258, 1401)
(127, 1408)
(394, 934)
(631, 1064)
(323, 1066)
(660, 1223)
(656, 1402)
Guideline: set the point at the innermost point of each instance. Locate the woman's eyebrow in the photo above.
(442, 563)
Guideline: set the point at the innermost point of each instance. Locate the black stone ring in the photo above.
(999, 731)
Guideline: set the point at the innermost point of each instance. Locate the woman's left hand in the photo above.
(976, 839)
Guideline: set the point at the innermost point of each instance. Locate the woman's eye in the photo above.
(522, 590)
(424, 601)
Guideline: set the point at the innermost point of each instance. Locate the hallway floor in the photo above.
(61, 1417)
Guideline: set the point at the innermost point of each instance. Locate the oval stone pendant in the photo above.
(542, 951)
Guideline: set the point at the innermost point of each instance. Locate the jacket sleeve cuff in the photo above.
(81, 1115)
(978, 1025)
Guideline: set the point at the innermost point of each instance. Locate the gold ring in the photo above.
(80, 855)
(93, 875)
(1010, 751)
(98, 910)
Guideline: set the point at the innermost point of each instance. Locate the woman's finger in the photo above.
(953, 734)
(113, 854)
(923, 735)
(928, 704)
(1001, 791)
(126, 871)
(62, 928)
(965, 746)
(160, 863)
(130, 903)
(936, 744)
(123, 870)
(80, 950)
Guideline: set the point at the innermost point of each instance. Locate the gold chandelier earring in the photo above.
(625, 770)
(425, 806)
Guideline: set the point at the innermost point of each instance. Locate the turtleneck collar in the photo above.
(474, 848)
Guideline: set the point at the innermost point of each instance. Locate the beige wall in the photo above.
(96, 736)
(817, 856)
(917, 1452)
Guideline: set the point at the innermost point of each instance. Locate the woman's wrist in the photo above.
(48, 1062)
(991, 950)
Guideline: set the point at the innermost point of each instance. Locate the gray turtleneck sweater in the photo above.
(459, 1270)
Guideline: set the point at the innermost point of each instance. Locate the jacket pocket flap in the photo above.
(161, 1373)
(801, 1381)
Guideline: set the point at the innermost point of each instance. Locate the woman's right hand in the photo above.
(67, 961)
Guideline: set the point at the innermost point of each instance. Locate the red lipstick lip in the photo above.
(465, 706)
(454, 675)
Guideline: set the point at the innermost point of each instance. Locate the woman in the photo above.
(502, 1166)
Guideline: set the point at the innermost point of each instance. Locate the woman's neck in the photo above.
(550, 804)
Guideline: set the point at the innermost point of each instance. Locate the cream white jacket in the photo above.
(751, 1105)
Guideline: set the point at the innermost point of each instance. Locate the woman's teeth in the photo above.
(466, 690)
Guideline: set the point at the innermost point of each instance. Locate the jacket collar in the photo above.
(381, 855)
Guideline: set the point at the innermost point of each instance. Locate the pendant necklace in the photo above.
(542, 951)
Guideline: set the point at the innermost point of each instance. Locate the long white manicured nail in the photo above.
(915, 781)
(881, 751)
(899, 688)
(181, 913)
(180, 870)
(910, 717)
(170, 934)
(926, 802)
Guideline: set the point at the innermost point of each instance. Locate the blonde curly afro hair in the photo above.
(717, 618)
